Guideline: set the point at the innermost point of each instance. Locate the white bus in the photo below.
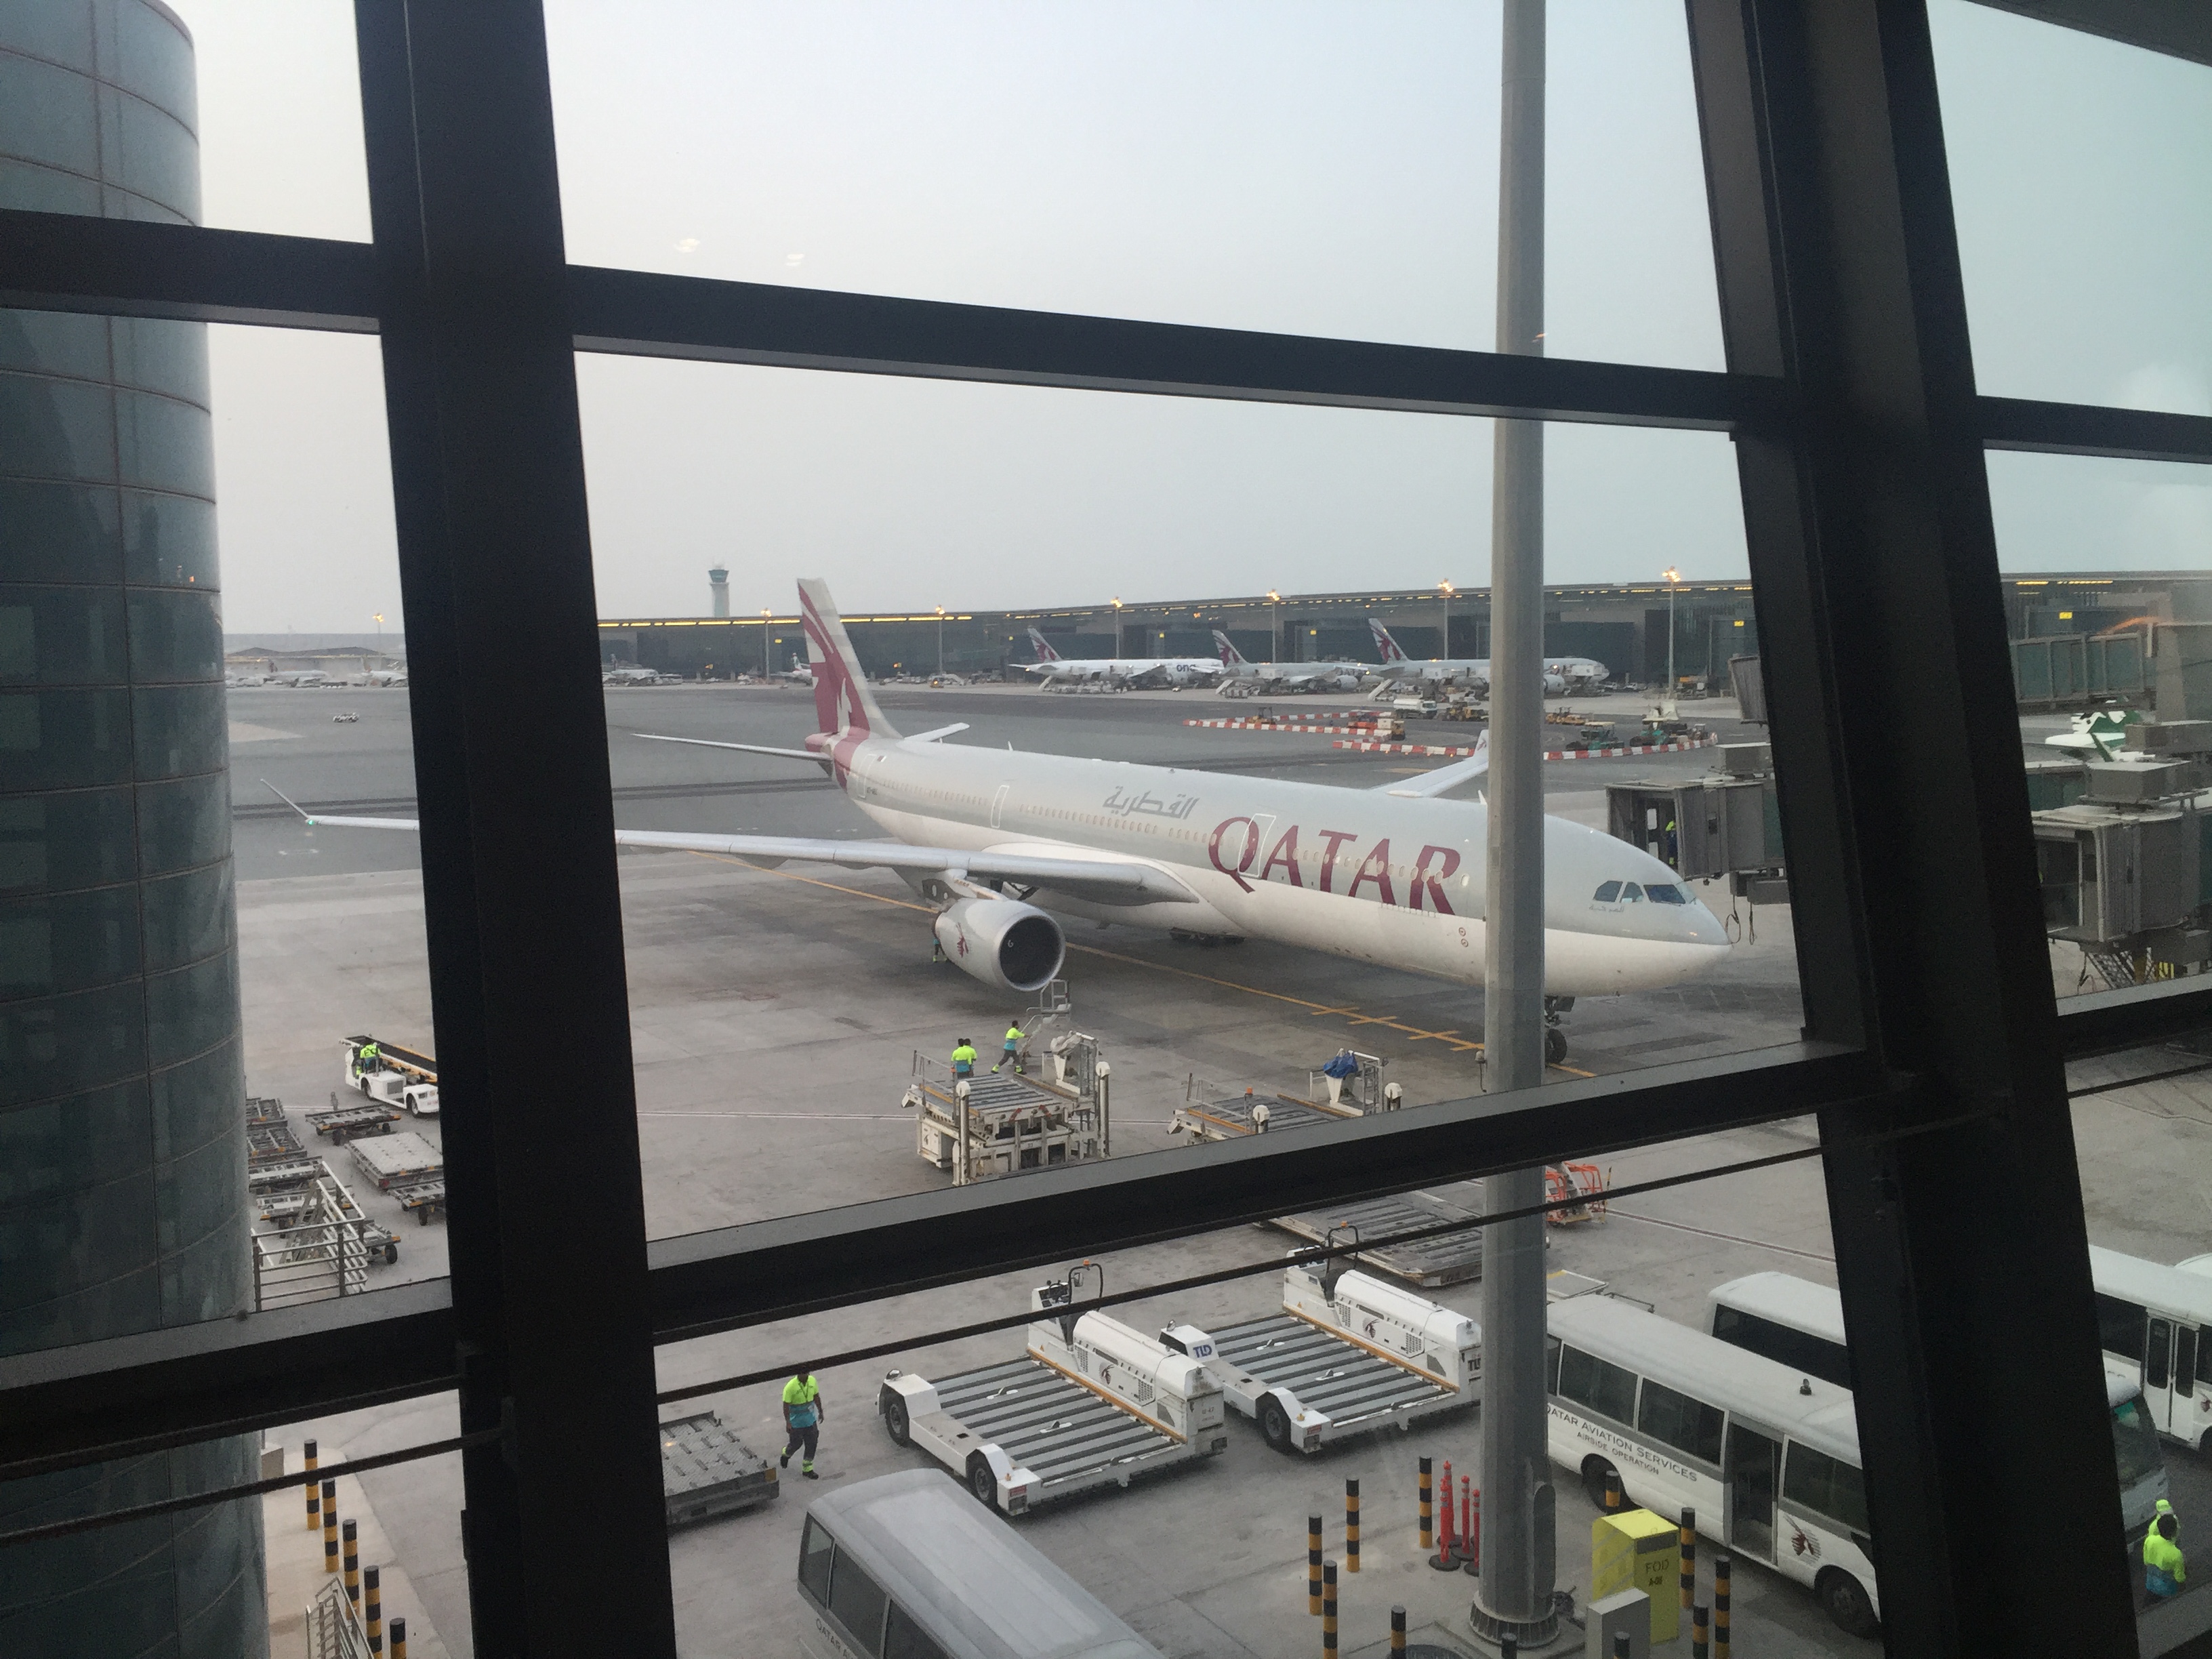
(908, 1566)
(1768, 1456)
(1800, 1324)
(2156, 1322)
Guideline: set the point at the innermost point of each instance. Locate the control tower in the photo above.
(717, 590)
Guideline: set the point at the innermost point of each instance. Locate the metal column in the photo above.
(1514, 1597)
(522, 909)
(1874, 564)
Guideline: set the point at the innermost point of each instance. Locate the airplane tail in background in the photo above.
(1043, 647)
(1231, 655)
(841, 698)
(1391, 650)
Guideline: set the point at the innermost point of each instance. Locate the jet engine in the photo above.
(1003, 942)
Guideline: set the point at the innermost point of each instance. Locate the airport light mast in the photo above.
(1673, 577)
(1513, 1597)
(940, 641)
(1447, 590)
(1274, 624)
(765, 670)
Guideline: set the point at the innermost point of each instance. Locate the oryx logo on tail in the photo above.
(842, 702)
(1230, 654)
(1391, 650)
(1043, 647)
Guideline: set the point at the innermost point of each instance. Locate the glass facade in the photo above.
(123, 1200)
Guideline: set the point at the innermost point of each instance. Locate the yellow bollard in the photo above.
(399, 1638)
(1720, 1606)
(315, 1495)
(1397, 1630)
(1312, 1566)
(1428, 1510)
(351, 1529)
(1328, 1611)
(1689, 1558)
(1699, 1647)
(329, 1526)
(1351, 1526)
(371, 1606)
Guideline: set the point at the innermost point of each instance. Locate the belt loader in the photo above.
(1348, 1353)
(1093, 1403)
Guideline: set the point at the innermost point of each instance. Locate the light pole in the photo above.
(1447, 590)
(1672, 577)
(765, 670)
(940, 641)
(1274, 624)
(1115, 654)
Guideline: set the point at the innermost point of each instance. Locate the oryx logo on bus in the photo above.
(1234, 858)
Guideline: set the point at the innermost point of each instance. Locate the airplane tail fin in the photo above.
(842, 700)
(1230, 654)
(1391, 650)
(1044, 647)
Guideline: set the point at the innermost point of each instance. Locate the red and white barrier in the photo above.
(1706, 742)
(1368, 729)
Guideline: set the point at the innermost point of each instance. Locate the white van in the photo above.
(2155, 1322)
(1768, 1457)
(908, 1566)
(1800, 1324)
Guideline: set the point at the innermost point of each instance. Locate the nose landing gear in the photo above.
(1555, 1034)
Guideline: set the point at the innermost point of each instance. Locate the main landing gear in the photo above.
(1555, 1032)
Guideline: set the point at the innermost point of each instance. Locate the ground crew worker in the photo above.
(802, 1421)
(2164, 1571)
(369, 1057)
(1012, 1056)
(963, 1059)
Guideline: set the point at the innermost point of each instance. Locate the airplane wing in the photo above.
(1444, 778)
(1105, 881)
(709, 743)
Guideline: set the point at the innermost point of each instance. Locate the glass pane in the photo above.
(1104, 1465)
(1327, 170)
(169, 1014)
(779, 1017)
(2084, 226)
(240, 113)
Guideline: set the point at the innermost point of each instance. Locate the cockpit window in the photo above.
(1607, 893)
(1631, 893)
(1664, 893)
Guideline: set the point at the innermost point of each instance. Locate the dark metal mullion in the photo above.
(492, 1518)
(2049, 428)
(551, 1291)
(1961, 1255)
(306, 1361)
(2106, 1022)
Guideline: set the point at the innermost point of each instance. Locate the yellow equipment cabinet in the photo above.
(1638, 1549)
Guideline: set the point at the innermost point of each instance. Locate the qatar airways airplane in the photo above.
(1002, 844)
(1561, 674)
(1178, 671)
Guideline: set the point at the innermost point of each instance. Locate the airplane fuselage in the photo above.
(1360, 873)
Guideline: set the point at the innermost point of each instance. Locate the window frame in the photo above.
(468, 287)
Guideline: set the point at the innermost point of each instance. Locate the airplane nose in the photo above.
(1706, 927)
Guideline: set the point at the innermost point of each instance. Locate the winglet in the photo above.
(287, 799)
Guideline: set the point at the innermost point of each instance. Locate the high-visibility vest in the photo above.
(2162, 1558)
(1013, 1034)
(963, 1055)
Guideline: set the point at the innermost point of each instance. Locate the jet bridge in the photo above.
(1347, 1354)
(1093, 1403)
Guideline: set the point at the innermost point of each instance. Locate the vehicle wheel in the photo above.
(894, 1421)
(1274, 1423)
(1846, 1601)
(422, 1216)
(392, 1254)
(1595, 1473)
(1555, 1045)
(981, 1482)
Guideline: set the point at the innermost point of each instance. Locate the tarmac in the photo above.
(775, 1017)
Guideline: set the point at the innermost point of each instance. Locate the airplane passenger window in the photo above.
(1665, 893)
(1608, 892)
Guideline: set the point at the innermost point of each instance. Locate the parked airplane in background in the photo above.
(1290, 676)
(1561, 674)
(297, 676)
(1179, 671)
(798, 673)
(1393, 875)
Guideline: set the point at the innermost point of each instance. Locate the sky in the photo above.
(1265, 164)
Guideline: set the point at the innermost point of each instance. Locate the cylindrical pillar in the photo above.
(1720, 1606)
(1312, 1566)
(1397, 1630)
(399, 1638)
(1615, 1499)
(1515, 1593)
(1688, 1536)
(329, 1526)
(351, 1555)
(1351, 1526)
(1471, 1548)
(1428, 1508)
(371, 1606)
(1623, 1647)
(1328, 1610)
(314, 1492)
(1700, 1647)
